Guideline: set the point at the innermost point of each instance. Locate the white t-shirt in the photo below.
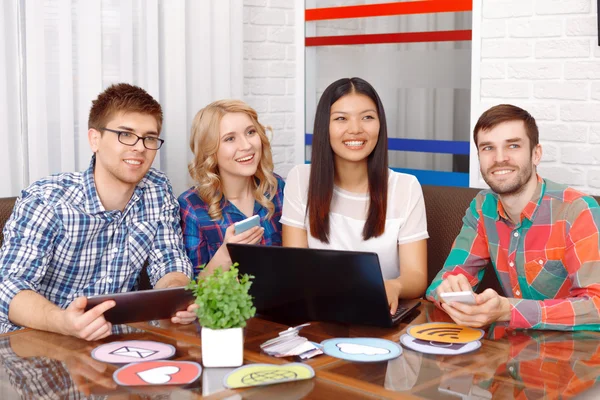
(405, 218)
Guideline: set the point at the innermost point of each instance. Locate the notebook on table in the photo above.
(297, 284)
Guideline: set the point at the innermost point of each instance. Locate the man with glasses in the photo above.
(75, 235)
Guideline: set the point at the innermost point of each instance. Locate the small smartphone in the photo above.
(466, 297)
(243, 226)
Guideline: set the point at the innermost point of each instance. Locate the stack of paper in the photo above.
(289, 343)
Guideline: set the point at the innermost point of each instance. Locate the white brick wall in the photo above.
(543, 55)
(270, 72)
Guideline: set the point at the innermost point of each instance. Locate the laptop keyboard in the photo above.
(399, 313)
(404, 309)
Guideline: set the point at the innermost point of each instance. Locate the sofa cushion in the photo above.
(445, 207)
(6, 207)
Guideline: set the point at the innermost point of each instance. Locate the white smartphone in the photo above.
(466, 297)
(246, 224)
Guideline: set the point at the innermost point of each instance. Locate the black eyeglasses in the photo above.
(131, 139)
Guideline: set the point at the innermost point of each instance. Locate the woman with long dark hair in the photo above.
(348, 198)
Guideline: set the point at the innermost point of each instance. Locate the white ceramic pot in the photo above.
(222, 347)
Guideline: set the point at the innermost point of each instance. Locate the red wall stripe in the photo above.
(407, 37)
(378, 10)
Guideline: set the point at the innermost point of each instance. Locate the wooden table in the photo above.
(510, 364)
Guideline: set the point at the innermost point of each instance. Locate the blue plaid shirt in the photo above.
(203, 236)
(61, 243)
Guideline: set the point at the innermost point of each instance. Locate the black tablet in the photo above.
(144, 305)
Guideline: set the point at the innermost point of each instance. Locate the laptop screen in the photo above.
(298, 284)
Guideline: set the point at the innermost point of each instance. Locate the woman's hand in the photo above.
(251, 236)
(222, 258)
(392, 290)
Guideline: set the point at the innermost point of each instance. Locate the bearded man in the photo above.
(540, 237)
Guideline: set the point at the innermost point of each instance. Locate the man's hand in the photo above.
(187, 316)
(90, 325)
(490, 307)
(454, 283)
(177, 279)
(392, 290)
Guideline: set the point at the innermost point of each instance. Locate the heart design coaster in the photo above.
(158, 373)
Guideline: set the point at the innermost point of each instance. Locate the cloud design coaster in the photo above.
(158, 373)
(132, 351)
(445, 332)
(361, 349)
(267, 374)
(439, 348)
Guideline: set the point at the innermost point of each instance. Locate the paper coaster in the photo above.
(158, 373)
(132, 351)
(440, 348)
(267, 374)
(445, 332)
(361, 349)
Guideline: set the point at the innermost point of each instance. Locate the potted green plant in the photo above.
(224, 306)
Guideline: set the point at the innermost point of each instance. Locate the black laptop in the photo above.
(295, 284)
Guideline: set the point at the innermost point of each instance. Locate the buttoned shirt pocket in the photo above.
(140, 240)
(544, 277)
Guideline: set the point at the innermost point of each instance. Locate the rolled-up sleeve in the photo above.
(469, 254)
(168, 253)
(26, 252)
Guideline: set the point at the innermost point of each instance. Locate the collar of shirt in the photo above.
(228, 207)
(92, 200)
(530, 208)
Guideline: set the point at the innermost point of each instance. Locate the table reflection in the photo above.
(401, 373)
(546, 363)
(44, 365)
(510, 364)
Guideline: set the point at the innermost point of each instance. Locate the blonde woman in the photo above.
(233, 174)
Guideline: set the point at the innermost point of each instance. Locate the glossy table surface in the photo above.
(510, 364)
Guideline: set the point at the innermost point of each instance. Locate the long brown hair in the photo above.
(204, 169)
(320, 187)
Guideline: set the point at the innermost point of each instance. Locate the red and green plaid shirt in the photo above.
(548, 265)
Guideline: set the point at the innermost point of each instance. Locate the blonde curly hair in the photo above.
(204, 170)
